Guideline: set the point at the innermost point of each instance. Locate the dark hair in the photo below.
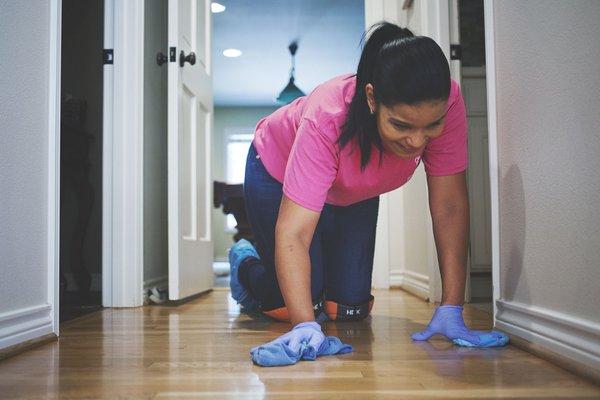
(403, 68)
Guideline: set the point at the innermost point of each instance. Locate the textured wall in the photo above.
(24, 29)
(548, 84)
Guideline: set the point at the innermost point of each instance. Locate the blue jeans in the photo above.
(341, 251)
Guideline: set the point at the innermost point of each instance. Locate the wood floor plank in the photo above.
(200, 350)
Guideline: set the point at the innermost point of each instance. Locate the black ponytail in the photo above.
(403, 68)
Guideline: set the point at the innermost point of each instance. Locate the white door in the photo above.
(190, 123)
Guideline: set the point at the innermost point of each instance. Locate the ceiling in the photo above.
(328, 33)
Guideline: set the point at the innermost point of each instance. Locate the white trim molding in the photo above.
(53, 217)
(490, 56)
(412, 282)
(28, 323)
(123, 241)
(560, 333)
(107, 160)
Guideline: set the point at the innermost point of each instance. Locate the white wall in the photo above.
(547, 92)
(228, 117)
(25, 304)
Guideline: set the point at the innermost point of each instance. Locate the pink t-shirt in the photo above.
(298, 146)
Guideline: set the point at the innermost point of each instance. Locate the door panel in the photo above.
(190, 131)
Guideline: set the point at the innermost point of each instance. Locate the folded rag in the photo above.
(275, 354)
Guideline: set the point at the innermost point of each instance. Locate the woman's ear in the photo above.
(370, 98)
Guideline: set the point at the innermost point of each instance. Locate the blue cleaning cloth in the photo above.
(276, 354)
(448, 321)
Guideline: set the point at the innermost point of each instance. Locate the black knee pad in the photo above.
(341, 312)
(281, 314)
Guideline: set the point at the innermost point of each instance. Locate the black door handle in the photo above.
(161, 58)
(191, 58)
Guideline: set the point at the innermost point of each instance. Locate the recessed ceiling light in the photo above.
(216, 7)
(232, 53)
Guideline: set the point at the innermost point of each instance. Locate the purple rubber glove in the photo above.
(448, 321)
(305, 333)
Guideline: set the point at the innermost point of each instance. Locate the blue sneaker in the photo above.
(238, 253)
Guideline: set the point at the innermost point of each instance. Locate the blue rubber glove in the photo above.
(305, 342)
(305, 333)
(448, 321)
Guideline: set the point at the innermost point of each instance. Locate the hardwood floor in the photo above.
(200, 350)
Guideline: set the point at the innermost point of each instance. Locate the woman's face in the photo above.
(406, 129)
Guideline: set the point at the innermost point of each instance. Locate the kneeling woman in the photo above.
(314, 174)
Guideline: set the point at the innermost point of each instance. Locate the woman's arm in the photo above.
(449, 206)
(293, 234)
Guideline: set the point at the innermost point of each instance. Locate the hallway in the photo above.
(200, 350)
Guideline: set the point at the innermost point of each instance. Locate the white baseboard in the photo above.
(412, 282)
(562, 334)
(25, 324)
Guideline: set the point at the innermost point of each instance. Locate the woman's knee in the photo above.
(338, 310)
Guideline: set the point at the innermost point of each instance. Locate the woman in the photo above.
(313, 176)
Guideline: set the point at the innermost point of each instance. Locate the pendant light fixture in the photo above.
(291, 91)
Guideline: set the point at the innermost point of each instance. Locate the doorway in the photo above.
(156, 256)
(81, 158)
(473, 85)
(252, 62)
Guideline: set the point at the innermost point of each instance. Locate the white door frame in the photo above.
(494, 168)
(53, 241)
(122, 155)
(123, 145)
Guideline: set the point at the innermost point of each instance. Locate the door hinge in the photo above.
(455, 52)
(172, 54)
(107, 56)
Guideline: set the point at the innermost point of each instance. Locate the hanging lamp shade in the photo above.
(291, 92)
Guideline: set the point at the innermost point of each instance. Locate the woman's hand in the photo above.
(305, 341)
(305, 333)
(448, 321)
